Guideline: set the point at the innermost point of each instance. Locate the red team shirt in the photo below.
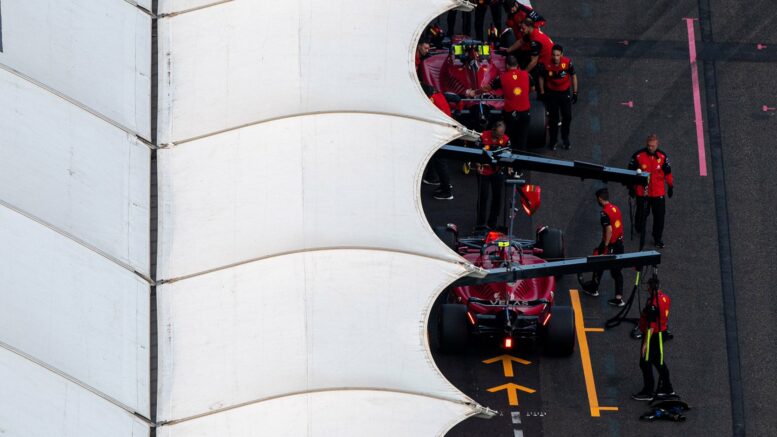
(611, 216)
(515, 86)
(558, 77)
(657, 164)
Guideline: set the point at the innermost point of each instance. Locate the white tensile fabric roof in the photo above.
(75, 219)
(295, 268)
(298, 269)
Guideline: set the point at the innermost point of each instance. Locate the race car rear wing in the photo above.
(566, 267)
(519, 162)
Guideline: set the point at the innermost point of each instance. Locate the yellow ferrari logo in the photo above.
(617, 224)
(563, 65)
(644, 167)
(515, 77)
(518, 91)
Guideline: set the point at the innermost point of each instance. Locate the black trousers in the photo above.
(480, 17)
(517, 127)
(492, 187)
(466, 22)
(559, 103)
(617, 275)
(646, 205)
(655, 358)
(438, 169)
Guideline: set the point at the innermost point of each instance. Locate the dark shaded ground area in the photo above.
(653, 72)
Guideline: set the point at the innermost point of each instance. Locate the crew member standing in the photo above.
(533, 47)
(610, 244)
(437, 172)
(557, 87)
(421, 53)
(491, 178)
(516, 86)
(655, 162)
(481, 8)
(653, 323)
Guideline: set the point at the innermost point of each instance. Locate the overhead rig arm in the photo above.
(519, 162)
(566, 267)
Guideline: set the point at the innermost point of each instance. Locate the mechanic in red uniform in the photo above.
(611, 243)
(516, 85)
(653, 323)
(481, 7)
(437, 172)
(557, 87)
(533, 47)
(654, 161)
(491, 178)
(517, 13)
(421, 53)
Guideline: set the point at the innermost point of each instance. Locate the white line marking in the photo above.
(516, 417)
(517, 433)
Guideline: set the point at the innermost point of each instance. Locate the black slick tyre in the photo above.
(559, 335)
(453, 331)
(447, 236)
(551, 241)
(538, 126)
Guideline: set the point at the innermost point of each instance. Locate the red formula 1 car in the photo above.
(469, 64)
(507, 310)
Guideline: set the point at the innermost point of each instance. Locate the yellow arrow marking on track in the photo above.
(512, 391)
(507, 363)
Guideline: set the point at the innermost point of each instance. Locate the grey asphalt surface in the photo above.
(653, 72)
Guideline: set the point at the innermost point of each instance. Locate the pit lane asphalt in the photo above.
(658, 81)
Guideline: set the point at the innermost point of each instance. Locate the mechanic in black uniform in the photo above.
(481, 8)
(611, 243)
(557, 87)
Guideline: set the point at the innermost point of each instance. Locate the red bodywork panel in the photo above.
(523, 290)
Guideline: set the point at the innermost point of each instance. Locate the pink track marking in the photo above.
(696, 97)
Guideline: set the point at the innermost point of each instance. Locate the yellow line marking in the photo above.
(594, 329)
(512, 391)
(585, 357)
(507, 363)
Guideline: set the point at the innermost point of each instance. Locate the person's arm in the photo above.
(541, 84)
(633, 165)
(533, 62)
(606, 234)
(667, 169)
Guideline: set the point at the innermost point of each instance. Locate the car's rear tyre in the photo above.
(447, 236)
(551, 241)
(538, 126)
(453, 331)
(559, 335)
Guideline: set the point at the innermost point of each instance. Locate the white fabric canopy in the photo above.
(74, 171)
(342, 413)
(298, 269)
(74, 218)
(243, 62)
(74, 310)
(38, 403)
(323, 181)
(94, 53)
(303, 322)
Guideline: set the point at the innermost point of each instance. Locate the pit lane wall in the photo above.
(74, 218)
(297, 268)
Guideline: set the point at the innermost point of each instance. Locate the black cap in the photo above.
(604, 193)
